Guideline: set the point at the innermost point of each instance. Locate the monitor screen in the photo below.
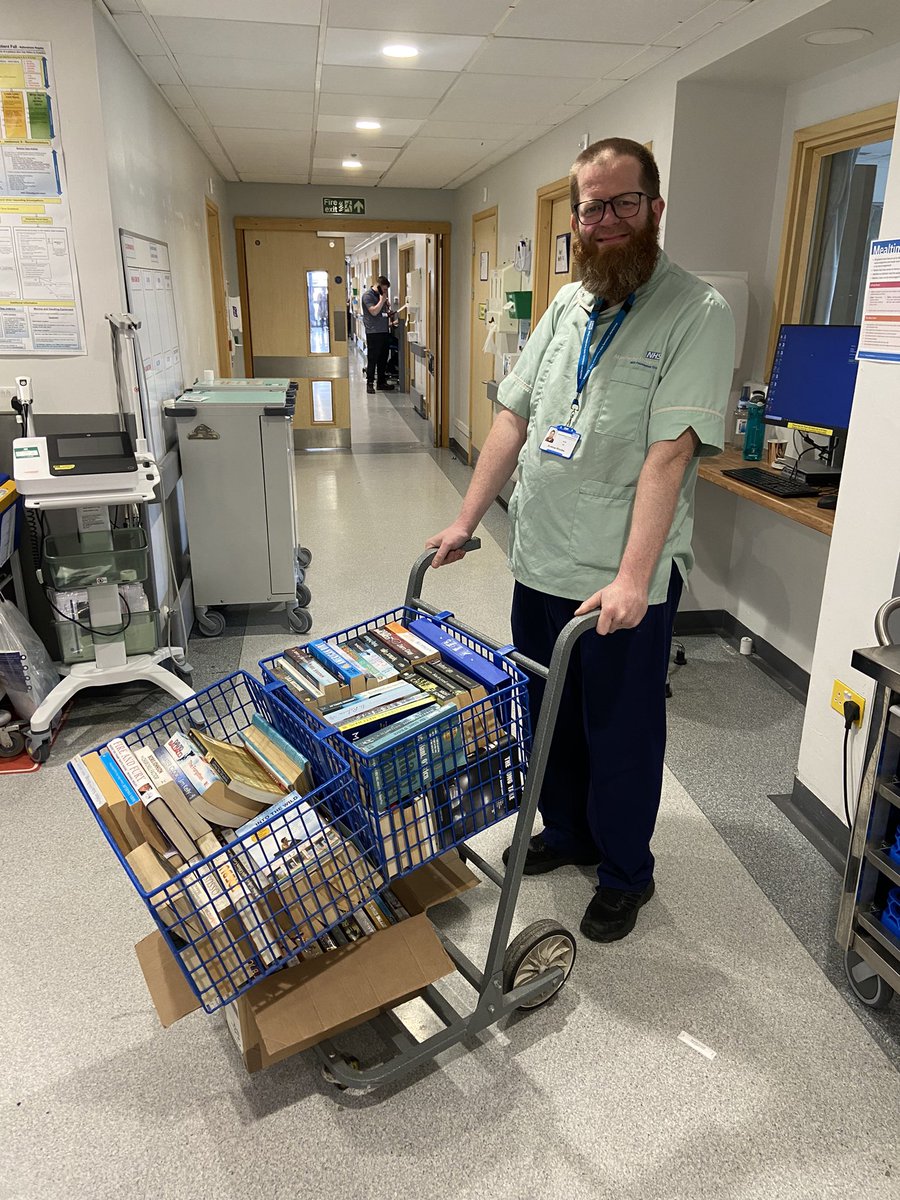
(813, 377)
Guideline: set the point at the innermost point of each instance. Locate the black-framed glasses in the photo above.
(592, 212)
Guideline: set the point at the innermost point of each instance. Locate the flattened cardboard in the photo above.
(172, 997)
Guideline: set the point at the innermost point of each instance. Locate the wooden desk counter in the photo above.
(802, 509)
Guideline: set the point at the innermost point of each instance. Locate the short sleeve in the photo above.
(515, 390)
(694, 387)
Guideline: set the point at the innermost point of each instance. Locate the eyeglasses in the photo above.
(592, 212)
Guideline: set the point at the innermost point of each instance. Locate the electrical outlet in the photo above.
(6, 397)
(839, 693)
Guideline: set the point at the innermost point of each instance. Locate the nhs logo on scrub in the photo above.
(653, 355)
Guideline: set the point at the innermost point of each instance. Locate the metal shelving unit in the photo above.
(871, 948)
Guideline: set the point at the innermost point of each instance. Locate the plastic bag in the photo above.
(26, 670)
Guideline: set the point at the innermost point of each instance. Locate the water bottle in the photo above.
(755, 437)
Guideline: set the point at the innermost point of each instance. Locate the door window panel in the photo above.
(317, 301)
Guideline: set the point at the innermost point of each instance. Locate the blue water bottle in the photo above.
(755, 437)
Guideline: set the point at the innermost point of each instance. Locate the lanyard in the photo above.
(586, 361)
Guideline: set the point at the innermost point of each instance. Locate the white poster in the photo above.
(879, 332)
(40, 303)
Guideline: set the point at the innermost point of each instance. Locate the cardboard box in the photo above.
(299, 1006)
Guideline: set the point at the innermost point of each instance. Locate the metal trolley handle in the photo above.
(881, 619)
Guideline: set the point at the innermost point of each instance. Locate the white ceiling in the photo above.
(275, 99)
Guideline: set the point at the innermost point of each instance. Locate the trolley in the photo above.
(522, 974)
(868, 926)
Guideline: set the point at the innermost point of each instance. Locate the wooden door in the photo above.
(407, 261)
(551, 253)
(481, 365)
(298, 327)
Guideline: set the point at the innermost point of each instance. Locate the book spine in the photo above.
(302, 762)
(390, 639)
(87, 781)
(381, 739)
(173, 769)
(376, 665)
(181, 747)
(311, 668)
(310, 693)
(458, 655)
(201, 774)
(152, 766)
(336, 662)
(133, 771)
(397, 661)
(117, 776)
(423, 649)
(274, 810)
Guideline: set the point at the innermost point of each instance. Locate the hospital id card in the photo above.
(561, 440)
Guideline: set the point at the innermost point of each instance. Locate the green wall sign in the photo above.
(341, 206)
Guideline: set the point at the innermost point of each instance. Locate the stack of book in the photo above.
(416, 710)
(243, 870)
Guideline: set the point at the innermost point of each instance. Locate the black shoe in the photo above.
(540, 858)
(370, 388)
(612, 914)
(386, 387)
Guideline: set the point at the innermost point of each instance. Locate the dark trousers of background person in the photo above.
(377, 346)
(602, 786)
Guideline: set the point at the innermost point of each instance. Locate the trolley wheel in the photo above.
(304, 595)
(211, 624)
(12, 743)
(349, 1061)
(39, 751)
(868, 986)
(304, 556)
(539, 948)
(299, 620)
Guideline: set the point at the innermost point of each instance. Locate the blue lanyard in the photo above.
(586, 362)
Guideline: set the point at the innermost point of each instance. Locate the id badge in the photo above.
(561, 440)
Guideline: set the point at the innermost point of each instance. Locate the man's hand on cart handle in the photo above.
(622, 605)
(447, 544)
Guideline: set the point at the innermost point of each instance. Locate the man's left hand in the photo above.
(622, 605)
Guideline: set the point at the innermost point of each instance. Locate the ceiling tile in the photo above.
(119, 6)
(389, 128)
(263, 142)
(362, 48)
(177, 95)
(200, 71)
(641, 62)
(248, 108)
(193, 118)
(338, 105)
(289, 45)
(138, 34)
(418, 16)
(526, 56)
(638, 21)
(277, 177)
(695, 27)
(596, 91)
(339, 146)
(469, 129)
(474, 95)
(286, 12)
(386, 81)
(159, 68)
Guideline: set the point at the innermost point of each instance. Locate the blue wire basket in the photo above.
(247, 909)
(433, 789)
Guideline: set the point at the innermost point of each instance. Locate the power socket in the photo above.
(6, 399)
(841, 693)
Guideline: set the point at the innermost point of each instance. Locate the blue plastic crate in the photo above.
(435, 788)
(228, 920)
(890, 918)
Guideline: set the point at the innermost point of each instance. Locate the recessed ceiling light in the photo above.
(368, 124)
(399, 51)
(836, 37)
(351, 163)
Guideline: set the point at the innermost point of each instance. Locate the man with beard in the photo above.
(630, 371)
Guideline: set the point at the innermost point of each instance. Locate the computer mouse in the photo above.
(826, 502)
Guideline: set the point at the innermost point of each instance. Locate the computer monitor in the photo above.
(813, 377)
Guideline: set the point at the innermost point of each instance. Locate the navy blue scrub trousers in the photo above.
(601, 790)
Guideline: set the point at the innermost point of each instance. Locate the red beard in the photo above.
(613, 272)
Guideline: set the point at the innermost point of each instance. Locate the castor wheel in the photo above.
(538, 949)
(211, 623)
(299, 620)
(868, 986)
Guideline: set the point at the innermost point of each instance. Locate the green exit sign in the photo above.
(339, 206)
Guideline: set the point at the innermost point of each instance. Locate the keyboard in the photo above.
(768, 481)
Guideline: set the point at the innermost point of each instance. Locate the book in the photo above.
(424, 650)
(382, 718)
(391, 641)
(240, 770)
(277, 755)
(409, 835)
(190, 760)
(409, 765)
(131, 768)
(384, 693)
(273, 840)
(338, 663)
(485, 792)
(304, 689)
(174, 771)
(374, 664)
(457, 655)
(225, 809)
(399, 911)
(383, 650)
(330, 685)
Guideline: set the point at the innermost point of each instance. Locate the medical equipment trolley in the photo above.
(868, 927)
(237, 460)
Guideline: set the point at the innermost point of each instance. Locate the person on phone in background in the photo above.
(376, 306)
(621, 387)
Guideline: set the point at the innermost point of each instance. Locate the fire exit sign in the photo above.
(339, 206)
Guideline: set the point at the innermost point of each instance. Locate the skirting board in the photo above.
(816, 822)
(771, 660)
(458, 451)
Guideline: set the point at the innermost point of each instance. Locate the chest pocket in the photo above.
(625, 402)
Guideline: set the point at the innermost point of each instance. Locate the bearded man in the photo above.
(621, 388)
